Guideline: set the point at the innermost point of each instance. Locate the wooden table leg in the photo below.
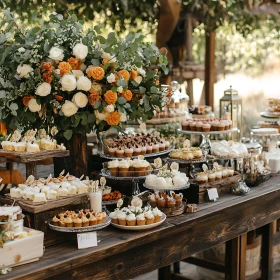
(30, 169)
(176, 267)
(164, 273)
(267, 254)
(242, 267)
(232, 259)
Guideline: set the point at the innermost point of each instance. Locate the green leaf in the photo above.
(106, 65)
(142, 89)
(121, 100)
(97, 104)
(68, 134)
(13, 106)
(2, 93)
(146, 101)
(2, 38)
(154, 89)
(91, 118)
(95, 62)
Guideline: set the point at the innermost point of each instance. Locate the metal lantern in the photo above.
(231, 108)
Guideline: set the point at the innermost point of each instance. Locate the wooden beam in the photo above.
(242, 266)
(232, 259)
(210, 68)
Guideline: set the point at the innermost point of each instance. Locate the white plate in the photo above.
(141, 227)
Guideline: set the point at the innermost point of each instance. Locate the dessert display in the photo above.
(124, 146)
(269, 124)
(228, 149)
(132, 167)
(167, 179)
(42, 190)
(217, 173)
(273, 107)
(79, 218)
(136, 216)
(186, 153)
(162, 200)
(206, 125)
(30, 143)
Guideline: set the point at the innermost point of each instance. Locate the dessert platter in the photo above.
(273, 109)
(133, 145)
(110, 198)
(136, 217)
(79, 221)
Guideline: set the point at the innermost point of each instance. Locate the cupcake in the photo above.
(171, 202)
(92, 220)
(218, 174)
(155, 148)
(143, 150)
(161, 202)
(122, 218)
(128, 152)
(140, 219)
(193, 126)
(152, 200)
(211, 176)
(85, 220)
(149, 149)
(224, 173)
(136, 150)
(187, 155)
(114, 217)
(226, 125)
(230, 172)
(139, 167)
(124, 168)
(185, 125)
(103, 216)
(214, 125)
(131, 220)
(19, 147)
(120, 153)
(221, 126)
(197, 153)
(161, 146)
(229, 124)
(61, 222)
(150, 218)
(77, 222)
(56, 220)
(199, 126)
(201, 178)
(206, 127)
(157, 214)
(112, 151)
(68, 221)
(178, 199)
(167, 144)
(113, 167)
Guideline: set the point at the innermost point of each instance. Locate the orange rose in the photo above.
(123, 74)
(47, 66)
(163, 50)
(93, 97)
(156, 82)
(3, 129)
(75, 63)
(64, 68)
(47, 77)
(58, 97)
(26, 99)
(113, 118)
(133, 74)
(96, 72)
(127, 95)
(110, 97)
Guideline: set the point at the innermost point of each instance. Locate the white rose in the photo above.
(123, 117)
(80, 100)
(34, 106)
(138, 79)
(68, 82)
(77, 73)
(96, 87)
(21, 50)
(109, 108)
(24, 70)
(56, 54)
(120, 89)
(69, 108)
(109, 57)
(83, 67)
(80, 51)
(101, 116)
(43, 89)
(83, 83)
(111, 78)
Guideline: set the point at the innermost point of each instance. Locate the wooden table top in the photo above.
(125, 254)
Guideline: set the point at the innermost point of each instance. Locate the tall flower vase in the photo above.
(78, 154)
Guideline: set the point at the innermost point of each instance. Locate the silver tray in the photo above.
(81, 229)
(164, 190)
(106, 173)
(112, 202)
(146, 155)
(270, 116)
(209, 132)
(199, 160)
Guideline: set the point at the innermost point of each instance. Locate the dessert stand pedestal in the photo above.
(30, 159)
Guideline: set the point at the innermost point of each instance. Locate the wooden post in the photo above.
(243, 245)
(210, 68)
(78, 154)
(232, 259)
(164, 273)
(30, 169)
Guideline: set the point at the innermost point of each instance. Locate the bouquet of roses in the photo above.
(60, 75)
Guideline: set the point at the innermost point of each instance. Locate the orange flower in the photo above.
(113, 118)
(96, 72)
(163, 50)
(127, 95)
(47, 77)
(133, 74)
(156, 82)
(26, 99)
(75, 63)
(47, 66)
(3, 129)
(64, 68)
(110, 97)
(123, 74)
(93, 97)
(58, 97)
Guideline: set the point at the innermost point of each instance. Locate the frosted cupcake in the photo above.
(124, 168)
(113, 167)
(167, 144)
(122, 218)
(206, 127)
(161, 202)
(131, 220)
(221, 126)
(56, 220)
(230, 171)
(112, 151)
(193, 126)
(150, 218)
(85, 221)
(201, 178)
(185, 125)
(143, 150)
(211, 176)
(128, 152)
(171, 202)
(77, 222)
(92, 220)
(140, 219)
(114, 217)
(120, 152)
(219, 174)
(152, 200)
(155, 148)
(157, 214)
(136, 151)
(199, 126)
(224, 173)
(149, 148)
(161, 146)
(68, 221)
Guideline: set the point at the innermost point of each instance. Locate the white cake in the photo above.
(62, 192)
(15, 193)
(51, 194)
(39, 197)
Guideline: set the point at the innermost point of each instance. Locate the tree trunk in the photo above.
(78, 154)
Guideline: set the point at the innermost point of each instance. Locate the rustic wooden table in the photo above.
(124, 255)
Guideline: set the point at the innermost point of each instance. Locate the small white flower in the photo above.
(80, 100)
(22, 50)
(111, 78)
(56, 54)
(123, 117)
(43, 89)
(109, 108)
(24, 70)
(83, 83)
(101, 116)
(141, 71)
(120, 89)
(83, 67)
(34, 106)
(141, 101)
(68, 82)
(110, 58)
(77, 73)
(80, 51)
(69, 108)
(138, 79)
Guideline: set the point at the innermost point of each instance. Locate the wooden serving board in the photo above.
(25, 157)
(171, 212)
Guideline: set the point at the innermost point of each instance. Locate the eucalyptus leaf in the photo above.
(121, 100)
(68, 134)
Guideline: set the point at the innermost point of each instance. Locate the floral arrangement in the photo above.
(60, 75)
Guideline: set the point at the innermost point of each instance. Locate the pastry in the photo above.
(140, 219)
(122, 218)
(201, 178)
(20, 147)
(131, 219)
(150, 218)
(157, 214)
(124, 168)
(113, 166)
(39, 197)
(32, 148)
(62, 192)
